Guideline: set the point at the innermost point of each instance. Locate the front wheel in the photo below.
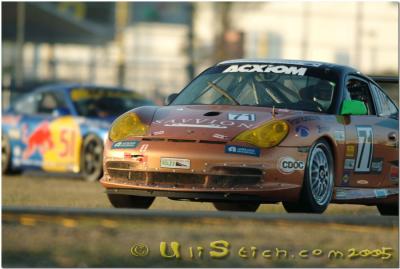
(130, 201)
(6, 158)
(245, 206)
(92, 158)
(317, 189)
(388, 210)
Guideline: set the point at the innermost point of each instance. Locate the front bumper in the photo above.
(213, 174)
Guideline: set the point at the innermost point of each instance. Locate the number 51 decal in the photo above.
(365, 149)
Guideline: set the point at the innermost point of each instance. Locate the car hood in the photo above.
(210, 122)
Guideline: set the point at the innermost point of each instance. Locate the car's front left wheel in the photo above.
(92, 158)
(318, 184)
(388, 209)
(130, 201)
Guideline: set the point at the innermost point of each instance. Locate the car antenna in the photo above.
(273, 112)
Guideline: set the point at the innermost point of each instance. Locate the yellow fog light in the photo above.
(266, 136)
(127, 125)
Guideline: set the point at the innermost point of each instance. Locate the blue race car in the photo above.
(61, 128)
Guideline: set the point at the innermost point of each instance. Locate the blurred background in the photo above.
(156, 48)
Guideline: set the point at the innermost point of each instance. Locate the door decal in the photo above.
(365, 149)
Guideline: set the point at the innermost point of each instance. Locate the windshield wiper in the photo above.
(223, 92)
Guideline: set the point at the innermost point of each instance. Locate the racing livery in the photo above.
(246, 132)
(61, 128)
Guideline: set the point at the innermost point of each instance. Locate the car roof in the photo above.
(68, 86)
(317, 64)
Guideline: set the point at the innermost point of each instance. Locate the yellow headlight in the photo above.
(127, 125)
(265, 136)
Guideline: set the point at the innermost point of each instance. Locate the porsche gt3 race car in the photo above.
(61, 128)
(246, 132)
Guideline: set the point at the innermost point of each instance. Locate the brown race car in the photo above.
(246, 132)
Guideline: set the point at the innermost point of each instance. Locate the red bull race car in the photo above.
(246, 132)
(61, 128)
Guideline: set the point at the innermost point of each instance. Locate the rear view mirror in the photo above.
(353, 107)
(170, 98)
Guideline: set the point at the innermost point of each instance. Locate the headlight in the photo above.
(127, 125)
(265, 136)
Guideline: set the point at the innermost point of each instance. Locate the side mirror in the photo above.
(170, 98)
(61, 111)
(353, 107)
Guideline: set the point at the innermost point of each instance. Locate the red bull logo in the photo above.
(38, 140)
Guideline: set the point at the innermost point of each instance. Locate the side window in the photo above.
(50, 101)
(27, 104)
(385, 106)
(359, 91)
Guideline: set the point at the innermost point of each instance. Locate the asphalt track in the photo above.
(360, 220)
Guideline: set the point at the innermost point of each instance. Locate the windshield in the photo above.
(281, 86)
(105, 102)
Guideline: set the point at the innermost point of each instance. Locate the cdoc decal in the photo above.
(288, 165)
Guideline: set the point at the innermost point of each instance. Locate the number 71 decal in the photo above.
(365, 149)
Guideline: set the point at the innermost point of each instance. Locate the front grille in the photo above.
(220, 177)
(176, 179)
(234, 181)
(120, 165)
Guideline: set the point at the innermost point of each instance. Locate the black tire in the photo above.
(6, 167)
(130, 201)
(92, 158)
(310, 199)
(388, 209)
(238, 206)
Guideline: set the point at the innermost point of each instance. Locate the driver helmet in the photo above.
(323, 93)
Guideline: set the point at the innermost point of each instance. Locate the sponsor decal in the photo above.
(288, 165)
(39, 140)
(364, 149)
(345, 179)
(211, 126)
(144, 148)
(242, 116)
(349, 164)
(267, 68)
(219, 136)
(204, 123)
(322, 129)
(242, 150)
(350, 149)
(303, 119)
(380, 193)
(394, 174)
(339, 136)
(362, 182)
(302, 131)
(159, 133)
(116, 154)
(125, 144)
(175, 163)
(377, 165)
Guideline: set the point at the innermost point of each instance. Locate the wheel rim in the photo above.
(320, 175)
(92, 157)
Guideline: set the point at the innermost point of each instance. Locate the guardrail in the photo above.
(362, 220)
